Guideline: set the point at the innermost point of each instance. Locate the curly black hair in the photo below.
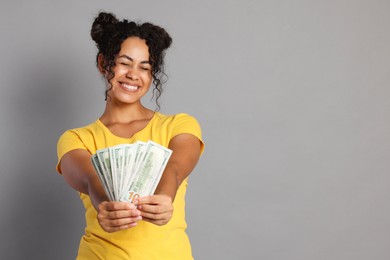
(109, 33)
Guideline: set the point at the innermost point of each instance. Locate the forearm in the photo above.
(186, 152)
(80, 174)
(96, 191)
(169, 183)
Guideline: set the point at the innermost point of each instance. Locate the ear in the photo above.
(100, 64)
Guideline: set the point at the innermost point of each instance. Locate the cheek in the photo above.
(119, 71)
(148, 78)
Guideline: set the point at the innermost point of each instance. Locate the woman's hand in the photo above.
(156, 209)
(114, 215)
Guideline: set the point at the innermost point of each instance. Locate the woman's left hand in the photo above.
(156, 209)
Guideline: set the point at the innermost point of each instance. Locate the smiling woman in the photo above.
(132, 74)
(130, 57)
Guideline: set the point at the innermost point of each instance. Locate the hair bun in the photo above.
(166, 38)
(159, 34)
(102, 24)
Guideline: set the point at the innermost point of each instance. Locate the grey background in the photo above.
(293, 98)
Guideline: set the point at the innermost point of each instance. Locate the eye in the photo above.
(124, 63)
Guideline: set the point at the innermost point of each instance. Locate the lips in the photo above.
(129, 87)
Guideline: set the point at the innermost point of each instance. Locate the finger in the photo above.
(154, 199)
(155, 209)
(117, 218)
(123, 221)
(118, 224)
(147, 199)
(118, 228)
(117, 214)
(118, 205)
(158, 222)
(148, 215)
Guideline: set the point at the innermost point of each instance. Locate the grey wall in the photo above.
(293, 98)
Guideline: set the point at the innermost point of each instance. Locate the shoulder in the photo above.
(81, 137)
(80, 132)
(76, 138)
(180, 118)
(181, 123)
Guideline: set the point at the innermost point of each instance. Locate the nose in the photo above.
(132, 73)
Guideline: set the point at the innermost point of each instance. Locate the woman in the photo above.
(130, 58)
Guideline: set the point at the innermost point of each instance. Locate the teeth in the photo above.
(129, 87)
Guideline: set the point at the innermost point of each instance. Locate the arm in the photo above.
(79, 173)
(158, 208)
(185, 156)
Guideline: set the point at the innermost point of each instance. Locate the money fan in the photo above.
(128, 171)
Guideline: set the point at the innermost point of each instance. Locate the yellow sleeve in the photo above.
(68, 141)
(186, 124)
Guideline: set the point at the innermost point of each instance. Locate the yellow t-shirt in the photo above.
(145, 241)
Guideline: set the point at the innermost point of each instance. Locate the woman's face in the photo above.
(133, 72)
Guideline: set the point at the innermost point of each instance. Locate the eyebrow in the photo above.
(131, 59)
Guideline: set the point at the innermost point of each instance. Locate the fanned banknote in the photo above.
(128, 171)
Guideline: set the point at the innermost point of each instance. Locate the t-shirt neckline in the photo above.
(105, 128)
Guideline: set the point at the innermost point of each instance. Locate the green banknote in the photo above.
(128, 171)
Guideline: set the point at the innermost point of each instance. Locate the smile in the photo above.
(129, 87)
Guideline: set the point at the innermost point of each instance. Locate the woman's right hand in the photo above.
(115, 215)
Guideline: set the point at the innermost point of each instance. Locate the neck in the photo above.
(126, 113)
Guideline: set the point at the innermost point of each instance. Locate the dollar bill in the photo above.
(128, 171)
(104, 161)
(128, 167)
(149, 170)
(99, 171)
